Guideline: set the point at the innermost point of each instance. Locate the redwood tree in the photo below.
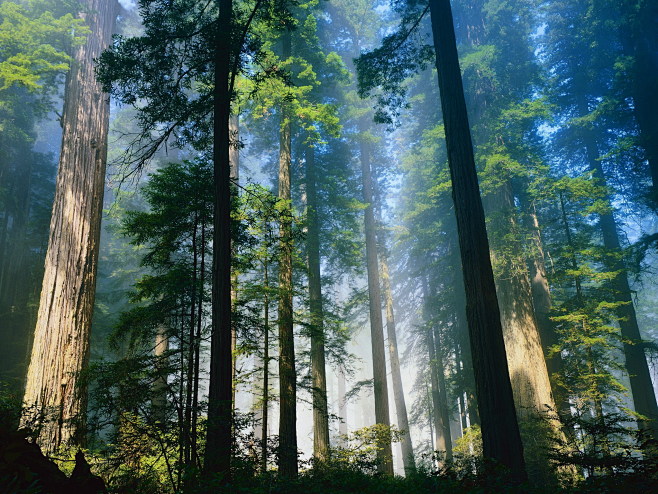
(220, 399)
(382, 416)
(54, 393)
(500, 432)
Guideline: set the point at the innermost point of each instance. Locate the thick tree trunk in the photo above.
(500, 432)
(542, 303)
(287, 373)
(220, 402)
(61, 343)
(644, 398)
(384, 452)
(530, 384)
(318, 368)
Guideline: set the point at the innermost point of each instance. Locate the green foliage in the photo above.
(384, 70)
(358, 450)
(35, 43)
(166, 73)
(467, 451)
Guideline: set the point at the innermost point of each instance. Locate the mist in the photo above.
(277, 245)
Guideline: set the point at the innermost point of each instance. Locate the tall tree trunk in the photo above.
(644, 398)
(530, 384)
(266, 366)
(197, 346)
(16, 286)
(234, 158)
(61, 342)
(396, 374)
(440, 413)
(318, 368)
(430, 413)
(287, 373)
(542, 303)
(500, 432)
(444, 408)
(220, 399)
(342, 403)
(461, 329)
(190, 347)
(159, 401)
(384, 452)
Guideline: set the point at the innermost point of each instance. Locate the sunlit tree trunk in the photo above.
(318, 368)
(500, 432)
(384, 452)
(287, 373)
(159, 401)
(530, 384)
(61, 342)
(542, 302)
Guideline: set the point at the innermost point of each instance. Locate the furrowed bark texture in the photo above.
(530, 383)
(61, 342)
(384, 452)
(500, 432)
(542, 303)
(220, 402)
(287, 373)
(318, 367)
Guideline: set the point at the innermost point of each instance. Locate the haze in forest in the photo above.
(328, 244)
